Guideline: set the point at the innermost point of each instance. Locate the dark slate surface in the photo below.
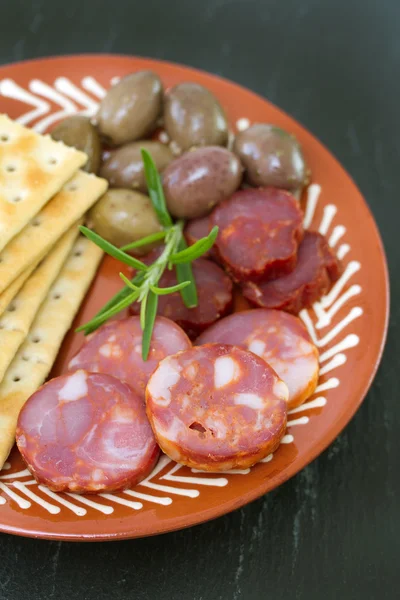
(333, 531)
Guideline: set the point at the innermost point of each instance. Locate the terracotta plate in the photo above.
(349, 325)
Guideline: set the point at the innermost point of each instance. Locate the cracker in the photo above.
(76, 197)
(36, 356)
(19, 315)
(13, 289)
(33, 168)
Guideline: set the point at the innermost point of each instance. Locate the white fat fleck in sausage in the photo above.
(250, 400)
(166, 376)
(74, 388)
(257, 347)
(281, 390)
(226, 370)
(109, 350)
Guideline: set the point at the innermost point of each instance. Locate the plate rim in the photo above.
(190, 519)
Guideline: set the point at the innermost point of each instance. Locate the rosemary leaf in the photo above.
(184, 272)
(112, 250)
(150, 239)
(156, 191)
(196, 250)
(151, 312)
(169, 290)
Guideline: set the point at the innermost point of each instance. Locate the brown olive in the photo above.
(124, 216)
(78, 132)
(194, 117)
(198, 180)
(271, 157)
(124, 165)
(131, 108)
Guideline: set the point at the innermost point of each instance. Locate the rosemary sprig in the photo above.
(143, 288)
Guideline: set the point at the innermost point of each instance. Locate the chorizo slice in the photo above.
(215, 300)
(317, 268)
(259, 233)
(277, 337)
(86, 433)
(116, 349)
(216, 407)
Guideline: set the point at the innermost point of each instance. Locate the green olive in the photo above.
(123, 216)
(130, 109)
(272, 157)
(78, 132)
(193, 117)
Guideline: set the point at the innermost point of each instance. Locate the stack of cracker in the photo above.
(46, 266)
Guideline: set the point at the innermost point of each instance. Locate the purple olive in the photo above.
(198, 180)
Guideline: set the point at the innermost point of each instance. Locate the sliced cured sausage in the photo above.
(86, 432)
(214, 290)
(216, 407)
(317, 268)
(259, 233)
(280, 339)
(116, 349)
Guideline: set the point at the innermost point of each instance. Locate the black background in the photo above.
(332, 531)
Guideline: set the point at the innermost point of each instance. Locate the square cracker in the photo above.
(69, 205)
(18, 317)
(35, 358)
(13, 289)
(33, 168)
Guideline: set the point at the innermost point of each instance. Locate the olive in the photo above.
(194, 117)
(124, 166)
(271, 157)
(198, 180)
(78, 132)
(124, 216)
(131, 108)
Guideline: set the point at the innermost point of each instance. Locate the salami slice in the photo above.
(280, 339)
(259, 233)
(116, 349)
(317, 268)
(216, 407)
(214, 290)
(86, 433)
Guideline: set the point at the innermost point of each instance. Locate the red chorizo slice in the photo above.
(214, 290)
(280, 339)
(317, 268)
(216, 407)
(86, 432)
(259, 233)
(116, 349)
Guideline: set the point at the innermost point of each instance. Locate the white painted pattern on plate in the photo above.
(17, 487)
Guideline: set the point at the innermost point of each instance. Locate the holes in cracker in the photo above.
(25, 358)
(78, 253)
(52, 161)
(11, 308)
(16, 378)
(4, 138)
(16, 199)
(11, 168)
(36, 339)
(57, 296)
(36, 222)
(71, 187)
